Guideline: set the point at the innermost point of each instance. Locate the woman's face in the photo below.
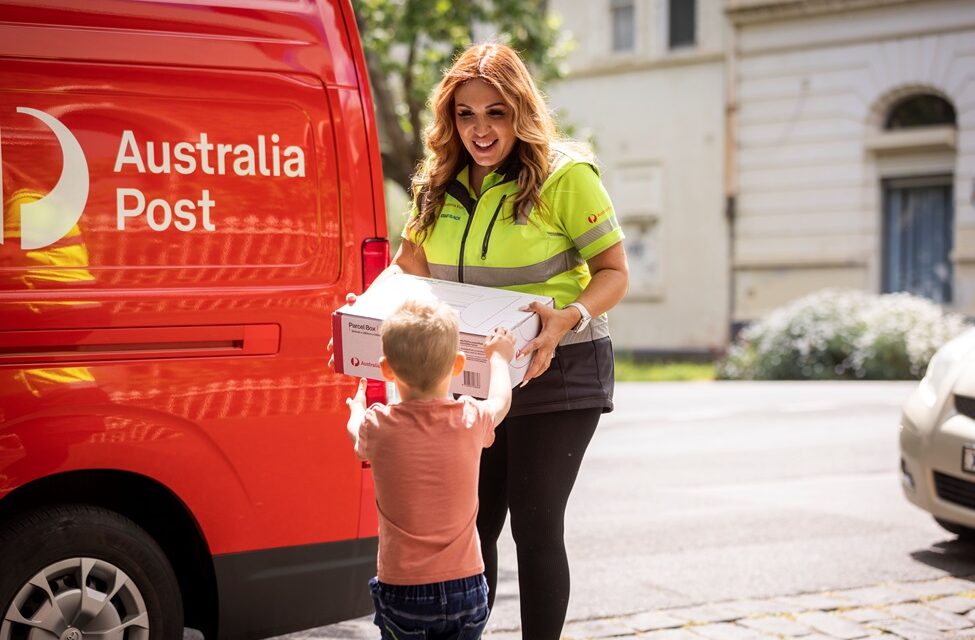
(484, 123)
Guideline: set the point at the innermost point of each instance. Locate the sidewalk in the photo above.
(926, 610)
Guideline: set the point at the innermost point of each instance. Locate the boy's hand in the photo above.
(501, 342)
(358, 401)
(357, 415)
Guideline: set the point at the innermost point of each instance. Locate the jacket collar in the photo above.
(507, 172)
(510, 168)
(460, 187)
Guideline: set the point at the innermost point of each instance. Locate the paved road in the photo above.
(702, 493)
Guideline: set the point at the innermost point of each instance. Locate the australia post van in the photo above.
(190, 188)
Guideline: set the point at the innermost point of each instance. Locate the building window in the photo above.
(622, 13)
(638, 200)
(920, 111)
(918, 212)
(643, 255)
(918, 236)
(682, 23)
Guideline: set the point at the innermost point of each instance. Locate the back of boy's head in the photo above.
(420, 342)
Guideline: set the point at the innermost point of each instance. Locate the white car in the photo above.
(937, 438)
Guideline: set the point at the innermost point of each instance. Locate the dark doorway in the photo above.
(918, 236)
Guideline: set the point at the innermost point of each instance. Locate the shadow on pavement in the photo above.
(955, 556)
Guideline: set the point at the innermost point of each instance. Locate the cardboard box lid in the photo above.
(480, 309)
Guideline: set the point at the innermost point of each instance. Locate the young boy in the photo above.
(425, 453)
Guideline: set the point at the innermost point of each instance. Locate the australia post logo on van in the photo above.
(49, 218)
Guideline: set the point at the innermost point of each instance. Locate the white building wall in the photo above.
(656, 120)
(812, 91)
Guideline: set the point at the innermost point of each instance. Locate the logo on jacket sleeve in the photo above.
(594, 218)
(47, 220)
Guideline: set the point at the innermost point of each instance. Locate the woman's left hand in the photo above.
(555, 324)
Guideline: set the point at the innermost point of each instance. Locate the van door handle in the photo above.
(127, 343)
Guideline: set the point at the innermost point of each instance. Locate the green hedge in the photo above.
(842, 335)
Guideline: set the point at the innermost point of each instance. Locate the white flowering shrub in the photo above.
(834, 335)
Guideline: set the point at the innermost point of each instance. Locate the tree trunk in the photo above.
(397, 150)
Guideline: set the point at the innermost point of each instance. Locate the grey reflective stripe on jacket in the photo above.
(596, 232)
(509, 276)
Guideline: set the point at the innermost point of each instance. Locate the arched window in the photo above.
(922, 110)
(918, 210)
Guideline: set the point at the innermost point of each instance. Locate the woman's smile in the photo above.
(483, 150)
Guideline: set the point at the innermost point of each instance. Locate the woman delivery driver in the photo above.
(499, 201)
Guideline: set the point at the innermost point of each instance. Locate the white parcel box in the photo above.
(355, 328)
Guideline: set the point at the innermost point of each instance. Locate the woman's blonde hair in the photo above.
(502, 68)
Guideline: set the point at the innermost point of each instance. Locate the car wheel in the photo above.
(77, 571)
(964, 533)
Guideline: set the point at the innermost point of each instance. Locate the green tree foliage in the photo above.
(409, 43)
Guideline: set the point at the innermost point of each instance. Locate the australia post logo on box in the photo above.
(110, 173)
(364, 348)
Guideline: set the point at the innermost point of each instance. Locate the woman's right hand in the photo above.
(350, 298)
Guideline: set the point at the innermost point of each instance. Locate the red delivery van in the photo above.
(190, 187)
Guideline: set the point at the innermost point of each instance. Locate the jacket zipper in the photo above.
(463, 243)
(467, 229)
(487, 235)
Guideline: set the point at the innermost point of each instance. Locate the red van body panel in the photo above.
(167, 280)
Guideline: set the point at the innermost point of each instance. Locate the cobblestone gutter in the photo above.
(926, 610)
(934, 609)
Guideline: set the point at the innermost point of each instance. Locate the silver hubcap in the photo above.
(77, 599)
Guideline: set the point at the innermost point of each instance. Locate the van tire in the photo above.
(61, 543)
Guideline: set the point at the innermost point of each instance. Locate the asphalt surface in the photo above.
(715, 493)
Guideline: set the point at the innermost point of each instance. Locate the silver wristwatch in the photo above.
(584, 320)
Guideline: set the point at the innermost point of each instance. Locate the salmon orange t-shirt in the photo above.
(425, 456)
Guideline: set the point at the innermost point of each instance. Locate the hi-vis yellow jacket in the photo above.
(479, 241)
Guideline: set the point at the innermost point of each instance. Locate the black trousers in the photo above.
(530, 470)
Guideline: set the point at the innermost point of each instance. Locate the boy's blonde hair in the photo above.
(420, 342)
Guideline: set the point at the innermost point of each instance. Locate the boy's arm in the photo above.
(499, 349)
(357, 413)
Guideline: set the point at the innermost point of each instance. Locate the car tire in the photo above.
(964, 533)
(76, 570)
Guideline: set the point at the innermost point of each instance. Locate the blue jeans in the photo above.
(451, 610)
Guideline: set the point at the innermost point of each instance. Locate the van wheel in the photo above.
(71, 571)
(967, 534)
